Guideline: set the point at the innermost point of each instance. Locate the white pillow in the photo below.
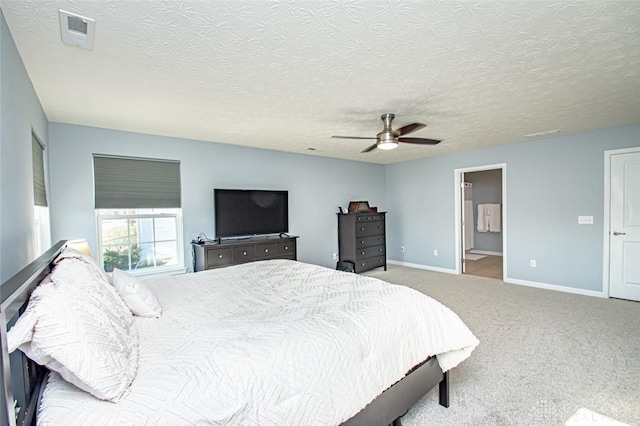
(137, 296)
(77, 325)
(70, 253)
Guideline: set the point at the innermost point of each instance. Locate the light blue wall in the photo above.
(316, 185)
(21, 112)
(549, 184)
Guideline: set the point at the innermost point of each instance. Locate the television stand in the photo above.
(234, 252)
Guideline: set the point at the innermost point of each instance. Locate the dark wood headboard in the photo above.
(22, 379)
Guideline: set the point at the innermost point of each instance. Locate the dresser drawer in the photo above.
(370, 252)
(218, 257)
(265, 251)
(244, 254)
(369, 263)
(371, 228)
(369, 218)
(375, 240)
(286, 248)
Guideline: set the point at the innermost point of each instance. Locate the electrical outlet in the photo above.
(532, 263)
(585, 220)
(335, 256)
(402, 249)
(435, 252)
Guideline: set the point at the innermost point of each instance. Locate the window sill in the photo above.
(174, 270)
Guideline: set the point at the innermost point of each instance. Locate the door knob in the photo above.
(619, 233)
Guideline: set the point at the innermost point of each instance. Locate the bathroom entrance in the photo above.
(481, 221)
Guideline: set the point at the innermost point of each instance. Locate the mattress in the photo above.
(277, 342)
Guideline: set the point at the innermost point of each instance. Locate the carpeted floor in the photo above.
(542, 355)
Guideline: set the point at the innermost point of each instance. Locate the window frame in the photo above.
(179, 267)
(41, 217)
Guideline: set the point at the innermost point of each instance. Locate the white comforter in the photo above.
(270, 343)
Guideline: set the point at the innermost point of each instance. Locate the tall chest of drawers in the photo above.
(361, 240)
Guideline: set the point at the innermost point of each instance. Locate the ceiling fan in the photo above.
(389, 138)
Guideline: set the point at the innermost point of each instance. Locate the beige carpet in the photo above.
(543, 354)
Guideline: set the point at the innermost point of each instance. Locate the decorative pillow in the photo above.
(137, 296)
(79, 327)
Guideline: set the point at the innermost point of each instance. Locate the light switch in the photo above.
(585, 220)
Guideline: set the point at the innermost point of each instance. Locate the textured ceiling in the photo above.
(287, 75)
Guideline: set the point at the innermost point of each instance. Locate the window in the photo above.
(140, 240)
(41, 227)
(138, 214)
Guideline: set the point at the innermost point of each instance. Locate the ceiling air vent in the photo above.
(540, 134)
(76, 30)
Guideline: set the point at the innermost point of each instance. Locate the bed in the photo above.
(270, 343)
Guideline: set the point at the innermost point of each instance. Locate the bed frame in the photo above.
(23, 380)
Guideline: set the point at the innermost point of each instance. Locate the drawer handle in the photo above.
(362, 242)
(219, 256)
(362, 264)
(362, 229)
(266, 250)
(244, 253)
(361, 252)
(380, 249)
(286, 247)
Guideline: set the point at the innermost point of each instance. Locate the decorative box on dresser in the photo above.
(234, 252)
(361, 240)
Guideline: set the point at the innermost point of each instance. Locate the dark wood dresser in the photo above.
(234, 252)
(361, 240)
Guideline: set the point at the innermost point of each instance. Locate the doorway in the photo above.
(622, 224)
(481, 221)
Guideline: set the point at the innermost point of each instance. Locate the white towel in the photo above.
(489, 217)
(483, 218)
(494, 211)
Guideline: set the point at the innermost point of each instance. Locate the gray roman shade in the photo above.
(127, 182)
(39, 187)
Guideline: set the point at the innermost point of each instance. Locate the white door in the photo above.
(624, 233)
(464, 225)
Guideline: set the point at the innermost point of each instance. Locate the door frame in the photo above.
(458, 181)
(606, 249)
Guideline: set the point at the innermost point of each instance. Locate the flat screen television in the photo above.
(241, 212)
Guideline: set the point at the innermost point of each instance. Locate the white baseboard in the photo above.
(555, 287)
(490, 253)
(526, 283)
(428, 268)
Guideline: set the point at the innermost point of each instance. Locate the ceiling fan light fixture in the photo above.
(387, 145)
(389, 139)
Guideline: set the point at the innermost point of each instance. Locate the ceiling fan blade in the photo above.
(351, 137)
(369, 148)
(409, 128)
(419, 141)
